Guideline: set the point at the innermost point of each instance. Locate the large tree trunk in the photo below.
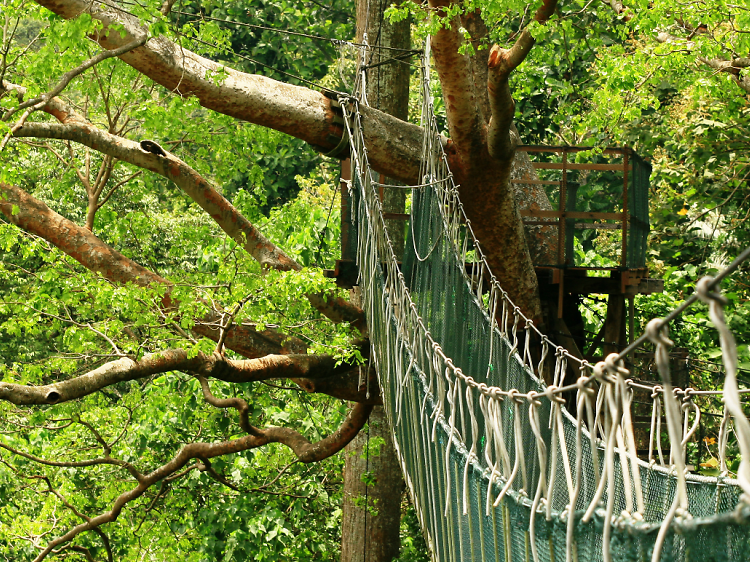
(378, 519)
(372, 505)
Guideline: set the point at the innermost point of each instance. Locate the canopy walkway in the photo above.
(496, 466)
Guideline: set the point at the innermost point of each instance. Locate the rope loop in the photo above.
(552, 393)
(515, 396)
(656, 331)
(599, 371)
(533, 398)
(682, 514)
(701, 288)
(658, 389)
(687, 400)
(449, 363)
(614, 364)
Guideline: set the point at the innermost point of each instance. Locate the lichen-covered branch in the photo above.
(297, 367)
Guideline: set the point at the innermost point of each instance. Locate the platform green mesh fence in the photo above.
(459, 395)
(639, 222)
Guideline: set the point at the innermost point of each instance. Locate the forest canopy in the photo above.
(177, 372)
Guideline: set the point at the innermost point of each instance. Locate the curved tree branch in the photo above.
(76, 464)
(35, 217)
(37, 103)
(32, 215)
(394, 146)
(237, 403)
(304, 450)
(305, 368)
(502, 139)
(149, 155)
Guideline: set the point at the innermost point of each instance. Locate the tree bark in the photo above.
(387, 91)
(372, 513)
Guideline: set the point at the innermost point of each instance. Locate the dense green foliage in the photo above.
(595, 78)
(58, 320)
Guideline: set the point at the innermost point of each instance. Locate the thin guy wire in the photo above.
(292, 33)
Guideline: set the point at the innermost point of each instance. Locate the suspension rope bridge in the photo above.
(497, 468)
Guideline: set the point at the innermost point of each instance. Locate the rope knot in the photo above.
(533, 398)
(552, 393)
(515, 396)
(599, 371)
(706, 295)
(614, 364)
(656, 331)
(656, 391)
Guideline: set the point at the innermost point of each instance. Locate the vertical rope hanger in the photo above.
(716, 304)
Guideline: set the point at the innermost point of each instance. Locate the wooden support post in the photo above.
(613, 324)
(347, 228)
(631, 318)
(346, 268)
(561, 205)
(625, 215)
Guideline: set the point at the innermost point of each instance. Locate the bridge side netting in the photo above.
(471, 419)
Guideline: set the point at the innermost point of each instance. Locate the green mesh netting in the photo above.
(435, 465)
(639, 222)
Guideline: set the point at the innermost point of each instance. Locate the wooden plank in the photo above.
(557, 148)
(397, 216)
(610, 286)
(572, 215)
(537, 182)
(575, 166)
(614, 338)
(578, 225)
(541, 223)
(597, 226)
